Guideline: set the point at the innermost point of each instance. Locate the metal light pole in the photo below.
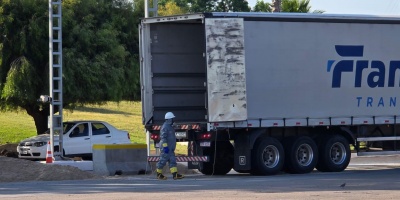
(55, 73)
(148, 10)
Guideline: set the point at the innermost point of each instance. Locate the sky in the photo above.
(369, 7)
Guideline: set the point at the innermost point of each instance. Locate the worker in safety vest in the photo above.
(167, 146)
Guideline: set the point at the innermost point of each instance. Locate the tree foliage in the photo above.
(232, 6)
(195, 6)
(298, 6)
(100, 54)
(201, 5)
(97, 46)
(262, 6)
(170, 8)
(24, 52)
(180, 3)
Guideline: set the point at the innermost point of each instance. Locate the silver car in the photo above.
(78, 140)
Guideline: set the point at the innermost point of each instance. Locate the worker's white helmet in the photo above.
(169, 115)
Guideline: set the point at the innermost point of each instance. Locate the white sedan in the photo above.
(78, 140)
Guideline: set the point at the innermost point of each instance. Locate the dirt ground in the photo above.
(9, 150)
(13, 169)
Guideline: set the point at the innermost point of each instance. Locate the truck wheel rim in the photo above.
(305, 155)
(338, 153)
(270, 156)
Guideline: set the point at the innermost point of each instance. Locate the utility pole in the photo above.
(148, 10)
(276, 5)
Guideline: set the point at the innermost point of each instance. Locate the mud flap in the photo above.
(242, 155)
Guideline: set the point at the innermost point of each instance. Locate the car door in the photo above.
(101, 134)
(78, 141)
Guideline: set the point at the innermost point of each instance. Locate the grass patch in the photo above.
(126, 115)
(15, 126)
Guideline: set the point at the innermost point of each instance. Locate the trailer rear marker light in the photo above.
(154, 136)
(205, 136)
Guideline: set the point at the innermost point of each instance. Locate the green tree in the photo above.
(298, 6)
(170, 8)
(183, 4)
(24, 53)
(99, 47)
(201, 5)
(262, 6)
(232, 6)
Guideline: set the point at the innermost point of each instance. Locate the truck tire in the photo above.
(223, 152)
(334, 154)
(267, 157)
(301, 155)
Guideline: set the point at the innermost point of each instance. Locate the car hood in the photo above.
(40, 138)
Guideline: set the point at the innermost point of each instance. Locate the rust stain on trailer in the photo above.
(226, 75)
(231, 93)
(234, 50)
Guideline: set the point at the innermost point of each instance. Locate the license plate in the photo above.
(180, 135)
(205, 144)
(24, 152)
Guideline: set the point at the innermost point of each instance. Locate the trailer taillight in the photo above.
(205, 136)
(154, 136)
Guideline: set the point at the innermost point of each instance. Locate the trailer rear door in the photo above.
(173, 71)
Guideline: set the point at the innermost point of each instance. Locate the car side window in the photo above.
(82, 130)
(99, 129)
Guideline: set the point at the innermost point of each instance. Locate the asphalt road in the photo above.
(365, 178)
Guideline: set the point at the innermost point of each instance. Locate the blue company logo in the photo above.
(375, 78)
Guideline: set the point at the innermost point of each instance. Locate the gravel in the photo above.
(18, 170)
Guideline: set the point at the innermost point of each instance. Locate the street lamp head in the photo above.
(44, 99)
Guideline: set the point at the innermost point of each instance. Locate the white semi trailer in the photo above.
(265, 92)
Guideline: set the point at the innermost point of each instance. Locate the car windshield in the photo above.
(68, 126)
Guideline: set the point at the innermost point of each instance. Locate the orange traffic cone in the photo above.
(49, 155)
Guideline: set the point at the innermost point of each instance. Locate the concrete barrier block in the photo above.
(109, 159)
